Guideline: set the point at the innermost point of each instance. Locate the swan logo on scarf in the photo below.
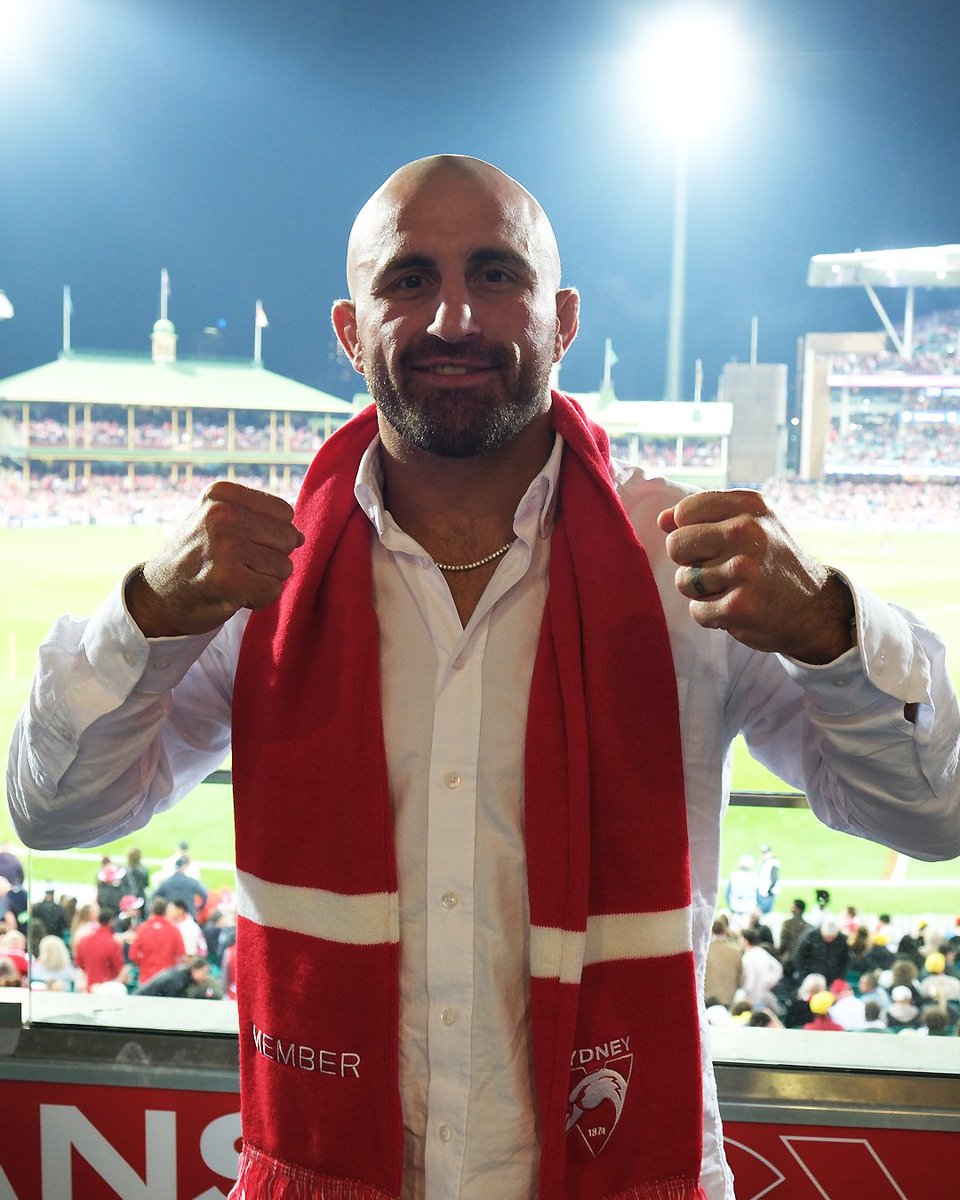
(597, 1097)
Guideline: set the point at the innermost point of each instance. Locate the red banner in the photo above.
(86, 1142)
(813, 1162)
(90, 1142)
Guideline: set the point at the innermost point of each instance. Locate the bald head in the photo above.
(456, 314)
(450, 188)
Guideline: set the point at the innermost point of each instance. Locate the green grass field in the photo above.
(49, 571)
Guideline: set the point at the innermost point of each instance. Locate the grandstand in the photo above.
(105, 437)
(898, 418)
(688, 441)
(885, 406)
(87, 417)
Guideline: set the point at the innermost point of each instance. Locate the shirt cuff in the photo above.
(118, 651)
(886, 659)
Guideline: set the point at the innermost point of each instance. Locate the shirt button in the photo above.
(163, 663)
(843, 681)
(444, 1133)
(129, 658)
(452, 779)
(448, 1017)
(449, 899)
(458, 663)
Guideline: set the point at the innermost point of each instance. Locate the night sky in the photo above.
(232, 142)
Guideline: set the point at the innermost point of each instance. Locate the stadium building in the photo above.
(90, 414)
(884, 405)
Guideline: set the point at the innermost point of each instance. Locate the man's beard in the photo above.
(460, 422)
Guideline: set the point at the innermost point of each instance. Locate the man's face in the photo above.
(455, 297)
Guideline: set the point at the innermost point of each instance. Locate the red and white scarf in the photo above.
(615, 1032)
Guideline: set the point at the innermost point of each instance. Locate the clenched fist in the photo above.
(232, 552)
(743, 572)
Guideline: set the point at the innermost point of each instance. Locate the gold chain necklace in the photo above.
(480, 561)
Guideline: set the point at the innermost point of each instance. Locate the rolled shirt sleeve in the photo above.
(868, 769)
(100, 746)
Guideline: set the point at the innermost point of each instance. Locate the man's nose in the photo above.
(454, 316)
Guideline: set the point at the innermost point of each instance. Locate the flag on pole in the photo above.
(67, 314)
(609, 361)
(260, 323)
(164, 292)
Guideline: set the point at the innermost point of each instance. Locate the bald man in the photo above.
(482, 687)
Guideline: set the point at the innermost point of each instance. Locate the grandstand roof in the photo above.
(97, 378)
(923, 266)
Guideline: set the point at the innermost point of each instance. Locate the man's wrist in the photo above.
(835, 623)
(141, 605)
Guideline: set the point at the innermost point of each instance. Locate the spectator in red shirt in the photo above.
(13, 946)
(157, 944)
(99, 955)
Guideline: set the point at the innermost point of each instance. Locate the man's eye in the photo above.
(495, 275)
(411, 282)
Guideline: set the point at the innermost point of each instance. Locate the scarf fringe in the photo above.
(663, 1189)
(262, 1177)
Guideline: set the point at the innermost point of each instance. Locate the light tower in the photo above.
(687, 72)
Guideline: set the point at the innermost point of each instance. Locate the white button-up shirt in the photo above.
(154, 717)
(454, 705)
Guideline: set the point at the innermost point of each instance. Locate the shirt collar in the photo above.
(535, 511)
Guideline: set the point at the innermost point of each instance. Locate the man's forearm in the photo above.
(91, 754)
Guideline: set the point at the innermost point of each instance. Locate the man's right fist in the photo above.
(232, 552)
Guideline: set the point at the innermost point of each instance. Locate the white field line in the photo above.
(119, 859)
(819, 881)
(869, 881)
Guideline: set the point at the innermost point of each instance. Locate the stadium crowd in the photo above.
(204, 435)
(935, 342)
(895, 447)
(662, 452)
(898, 430)
(163, 934)
(818, 970)
(153, 499)
(881, 505)
(111, 499)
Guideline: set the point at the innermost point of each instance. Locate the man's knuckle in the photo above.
(217, 492)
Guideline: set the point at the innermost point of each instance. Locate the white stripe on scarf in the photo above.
(368, 919)
(562, 953)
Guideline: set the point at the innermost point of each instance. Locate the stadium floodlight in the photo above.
(922, 266)
(687, 72)
(18, 25)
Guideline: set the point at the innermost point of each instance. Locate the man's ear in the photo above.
(568, 321)
(344, 317)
